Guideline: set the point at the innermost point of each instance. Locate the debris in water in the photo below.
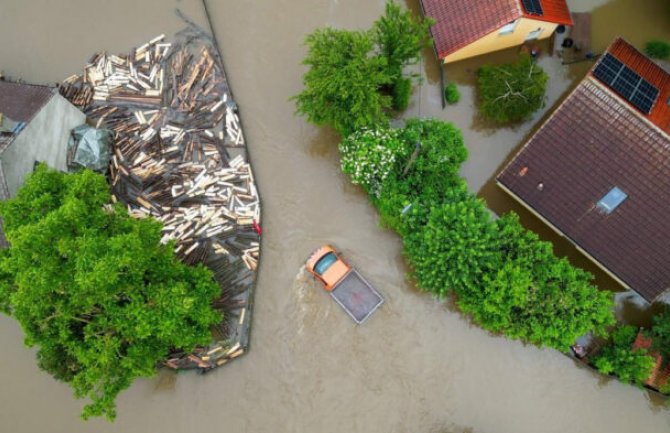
(179, 156)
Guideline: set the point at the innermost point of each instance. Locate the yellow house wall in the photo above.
(494, 41)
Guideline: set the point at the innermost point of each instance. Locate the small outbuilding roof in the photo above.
(459, 23)
(661, 373)
(20, 102)
(598, 170)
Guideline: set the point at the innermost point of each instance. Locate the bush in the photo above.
(512, 92)
(94, 289)
(402, 92)
(504, 276)
(660, 334)
(449, 252)
(657, 50)
(425, 175)
(619, 358)
(369, 156)
(532, 295)
(451, 94)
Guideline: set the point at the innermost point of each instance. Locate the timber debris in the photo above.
(179, 156)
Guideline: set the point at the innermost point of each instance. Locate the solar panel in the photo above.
(626, 82)
(533, 7)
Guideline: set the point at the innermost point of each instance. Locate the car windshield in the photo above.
(324, 263)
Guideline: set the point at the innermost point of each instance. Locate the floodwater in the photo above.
(415, 366)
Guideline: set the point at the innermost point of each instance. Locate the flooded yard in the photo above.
(416, 365)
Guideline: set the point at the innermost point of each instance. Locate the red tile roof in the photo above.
(553, 11)
(20, 102)
(650, 71)
(659, 375)
(459, 23)
(593, 142)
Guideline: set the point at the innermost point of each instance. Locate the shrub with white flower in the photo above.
(368, 156)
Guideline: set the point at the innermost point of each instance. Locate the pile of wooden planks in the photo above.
(175, 122)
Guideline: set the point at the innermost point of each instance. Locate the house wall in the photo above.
(495, 41)
(44, 139)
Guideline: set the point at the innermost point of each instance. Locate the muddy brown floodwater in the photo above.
(416, 366)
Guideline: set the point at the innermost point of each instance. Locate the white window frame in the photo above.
(508, 29)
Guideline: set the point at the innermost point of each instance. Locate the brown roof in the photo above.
(459, 23)
(20, 102)
(593, 142)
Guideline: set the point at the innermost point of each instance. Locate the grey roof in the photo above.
(21, 102)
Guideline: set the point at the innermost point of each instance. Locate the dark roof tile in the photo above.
(593, 142)
(20, 102)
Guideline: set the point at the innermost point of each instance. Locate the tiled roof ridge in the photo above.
(620, 40)
(605, 89)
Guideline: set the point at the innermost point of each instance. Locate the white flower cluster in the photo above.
(368, 157)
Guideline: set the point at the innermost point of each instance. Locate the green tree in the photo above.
(434, 152)
(619, 357)
(512, 92)
(532, 295)
(342, 85)
(400, 37)
(94, 289)
(451, 250)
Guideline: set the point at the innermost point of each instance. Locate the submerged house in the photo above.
(35, 124)
(598, 170)
(468, 28)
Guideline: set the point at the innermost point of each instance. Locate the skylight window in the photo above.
(612, 200)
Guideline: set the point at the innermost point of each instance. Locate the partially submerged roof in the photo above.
(20, 102)
(598, 171)
(660, 374)
(459, 23)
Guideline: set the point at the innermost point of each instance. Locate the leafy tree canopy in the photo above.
(353, 75)
(512, 92)
(343, 81)
(400, 37)
(453, 247)
(620, 359)
(94, 289)
(425, 174)
(532, 295)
